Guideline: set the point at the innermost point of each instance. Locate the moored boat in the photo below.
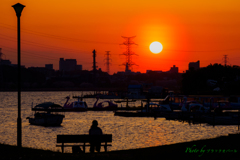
(193, 106)
(46, 115)
(102, 105)
(76, 106)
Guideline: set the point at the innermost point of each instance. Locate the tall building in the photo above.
(173, 69)
(194, 65)
(69, 65)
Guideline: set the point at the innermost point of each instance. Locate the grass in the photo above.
(200, 149)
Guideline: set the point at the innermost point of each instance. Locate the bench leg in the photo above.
(105, 147)
(62, 147)
(84, 148)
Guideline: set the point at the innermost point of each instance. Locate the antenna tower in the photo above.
(129, 63)
(108, 61)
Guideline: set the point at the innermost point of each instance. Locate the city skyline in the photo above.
(72, 65)
(189, 31)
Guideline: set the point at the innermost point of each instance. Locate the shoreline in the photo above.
(222, 147)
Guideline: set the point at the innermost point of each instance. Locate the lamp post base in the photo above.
(19, 132)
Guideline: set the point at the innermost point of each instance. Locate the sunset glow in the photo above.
(188, 30)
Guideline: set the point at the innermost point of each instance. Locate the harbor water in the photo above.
(128, 132)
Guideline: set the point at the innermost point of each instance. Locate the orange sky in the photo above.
(188, 30)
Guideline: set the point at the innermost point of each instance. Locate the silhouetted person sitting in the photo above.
(95, 130)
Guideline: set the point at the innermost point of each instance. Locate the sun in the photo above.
(156, 47)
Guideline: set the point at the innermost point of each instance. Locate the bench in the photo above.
(65, 140)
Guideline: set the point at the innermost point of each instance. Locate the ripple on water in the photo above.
(128, 133)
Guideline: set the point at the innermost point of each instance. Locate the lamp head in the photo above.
(18, 9)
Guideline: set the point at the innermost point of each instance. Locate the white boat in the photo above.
(154, 107)
(46, 114)
(193, 106)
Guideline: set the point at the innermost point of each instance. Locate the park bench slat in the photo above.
(63, 139)
(80, 145)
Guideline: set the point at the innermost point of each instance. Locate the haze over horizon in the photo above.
(188, 30)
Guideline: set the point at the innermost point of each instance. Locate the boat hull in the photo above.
(52, 120)
(74, 109)
(135, 114)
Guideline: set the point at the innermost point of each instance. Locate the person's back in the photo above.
(95, 130)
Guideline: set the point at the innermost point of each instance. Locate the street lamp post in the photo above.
(18, 9)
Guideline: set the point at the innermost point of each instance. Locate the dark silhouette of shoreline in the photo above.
(223, 147)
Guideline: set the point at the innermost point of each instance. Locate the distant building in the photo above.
(79, 67)
(49, 66)
(2, 61)
(69, 65)
(173, 69)
(5, 62)
(153, 71)
(47, 70)
(194, 65)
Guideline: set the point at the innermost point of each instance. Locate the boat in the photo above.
(193, 106)
(111, 95)
(135, 114)
(100, 106)
(216, 102)
(135, 92)
(77, 106)
(151, 110)
(127, 100)
(154, 107)
(46, 114)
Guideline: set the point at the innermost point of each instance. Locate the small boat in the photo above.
(151, 110)
(100, 106)
(193, 106)
(46, 114)
(120, 101)
(77, 106)
(154, 107)
(134, 114)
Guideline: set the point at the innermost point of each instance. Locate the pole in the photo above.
(238, 119)
(19, 120)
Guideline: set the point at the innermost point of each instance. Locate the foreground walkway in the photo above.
(224, 147)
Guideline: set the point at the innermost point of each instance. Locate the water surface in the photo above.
(128, 133)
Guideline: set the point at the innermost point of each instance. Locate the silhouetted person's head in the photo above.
(94, 123)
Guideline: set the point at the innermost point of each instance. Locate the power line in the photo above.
(86, 41)
(55, 36)
(39, 45)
